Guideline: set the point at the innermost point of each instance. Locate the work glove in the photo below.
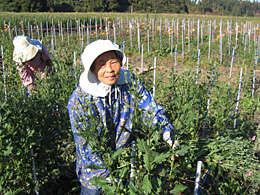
(110, 180)
(167, 139)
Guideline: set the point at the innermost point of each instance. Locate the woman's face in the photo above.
(107, 67)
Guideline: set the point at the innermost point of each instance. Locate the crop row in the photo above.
(206, 77)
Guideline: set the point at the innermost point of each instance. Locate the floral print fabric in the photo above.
(115, 111)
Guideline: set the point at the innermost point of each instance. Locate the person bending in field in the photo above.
(105, 86)
(30, 56)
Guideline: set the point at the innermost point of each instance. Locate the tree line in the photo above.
(220, 7)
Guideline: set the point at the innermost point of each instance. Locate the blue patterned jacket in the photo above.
(116, 111)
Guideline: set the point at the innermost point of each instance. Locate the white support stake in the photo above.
(177, 30)
(138, 37)
(55, 42)
(213, 75)
(245, 46)
(127, 63)
(201, 32)
(169, 35)
(75, 69)
(34, 169)
(47, 30)
(160, 30)
(87, 35)
(38, 33)
(2, 55)
(31, 32)
(238, 96)
(90, 24)
(70, 27)
(258, 45)
(189, 35)
(231, 67)
(182, 40)
(153, 29)
(107, 26)
(114, 28)
(132, 168)
(68, 36)
(15, 30)
(256, 59)
(9, 31)
(61, 33)
(28, 27)
(221, 44)
(197, 181)
(209, 38)
(236, 33)
(22, 28)
(175, 58)
(96, 28)
(198, 35)
(82, 37)
(198, 67)
(148, 42)
(154, 77)
(130, 29)
(52, 46)
(142, 59)
(41, 31)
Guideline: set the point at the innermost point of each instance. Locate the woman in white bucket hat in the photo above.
(104, 87)
(30, 56)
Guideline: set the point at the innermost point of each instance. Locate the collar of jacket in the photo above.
(96, 88)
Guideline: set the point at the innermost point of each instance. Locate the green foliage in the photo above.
(41, 122)
(151, 154)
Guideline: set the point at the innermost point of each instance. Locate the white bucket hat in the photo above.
(25, 48)
(88, 81)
